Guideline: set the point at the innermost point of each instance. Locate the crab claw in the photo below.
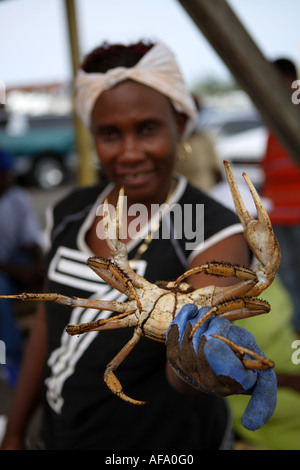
(257, 232)
(113, 230)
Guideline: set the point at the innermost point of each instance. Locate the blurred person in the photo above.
(21, 260)
(281, 186)
(135, 103)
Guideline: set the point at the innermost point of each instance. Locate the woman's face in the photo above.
(136, 131)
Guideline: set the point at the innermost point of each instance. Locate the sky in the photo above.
(34, 45)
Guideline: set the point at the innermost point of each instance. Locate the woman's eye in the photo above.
(108, 133)
(149, 128)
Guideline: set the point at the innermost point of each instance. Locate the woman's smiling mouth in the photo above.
(136, 178)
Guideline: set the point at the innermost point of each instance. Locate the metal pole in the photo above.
(254, 73)
(86, 172)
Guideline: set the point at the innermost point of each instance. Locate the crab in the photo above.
(151, 308)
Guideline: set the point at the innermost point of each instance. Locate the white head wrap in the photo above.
(157, 69)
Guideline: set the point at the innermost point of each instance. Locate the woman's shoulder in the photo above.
(204, 221)
(213, 209)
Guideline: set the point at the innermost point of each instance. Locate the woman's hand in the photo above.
(210, 365)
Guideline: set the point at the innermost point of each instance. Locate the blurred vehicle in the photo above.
(240, 137)
(42, 146)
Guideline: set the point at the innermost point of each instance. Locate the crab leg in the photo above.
(220, 269)
(123, 320)
(112, 305)
(234, 310)
(259, 363)
(111, 273)
(258, 234)
(110, 378)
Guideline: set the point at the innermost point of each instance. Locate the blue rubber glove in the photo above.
(210, 365)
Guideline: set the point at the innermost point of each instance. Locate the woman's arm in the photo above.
(233, 250)
(27, 393)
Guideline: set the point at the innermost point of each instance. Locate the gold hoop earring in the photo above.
(185, 151)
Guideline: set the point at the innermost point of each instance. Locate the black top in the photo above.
(80, 412)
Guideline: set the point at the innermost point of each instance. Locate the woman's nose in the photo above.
(131, 151)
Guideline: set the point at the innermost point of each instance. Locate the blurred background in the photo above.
(36, 122)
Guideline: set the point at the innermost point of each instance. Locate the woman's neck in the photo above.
(159, 198)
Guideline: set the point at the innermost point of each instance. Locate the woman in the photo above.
(134, 101)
